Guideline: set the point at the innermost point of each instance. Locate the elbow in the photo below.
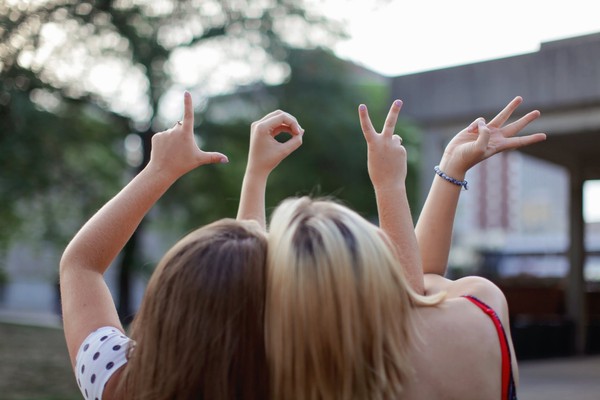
(63, 264)
(67, 261)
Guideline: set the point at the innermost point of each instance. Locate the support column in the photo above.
(575, 291)
(432, 149)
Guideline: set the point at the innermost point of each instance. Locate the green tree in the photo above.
(323, 92)
(47, 149)
(64, 48)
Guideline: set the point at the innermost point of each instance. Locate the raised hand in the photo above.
(386, 157)
(480, 141)
(386, 161)
(86, 301)
(470, 146)
(175, 151)
(265, 151)
(264, 155)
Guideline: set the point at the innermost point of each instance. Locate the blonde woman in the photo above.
(350, 313)
(199, 332)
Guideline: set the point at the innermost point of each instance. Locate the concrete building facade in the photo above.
(526, 197)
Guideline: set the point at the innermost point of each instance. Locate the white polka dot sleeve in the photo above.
(102, 353)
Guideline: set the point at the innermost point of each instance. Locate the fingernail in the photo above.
(362, 107)
(398, 103)
(224, 160)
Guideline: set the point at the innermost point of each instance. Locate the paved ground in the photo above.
(35, 364)
(549, 379)
(560, 379)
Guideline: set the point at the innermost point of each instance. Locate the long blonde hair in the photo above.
(338, 312)
(200, 329)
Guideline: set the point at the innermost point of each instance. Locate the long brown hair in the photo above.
(199, 332)
(339, 309)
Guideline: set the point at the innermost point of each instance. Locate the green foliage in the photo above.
(62, 127)
(3, 277)
(60, 144)
(60, 137)
(56, 165)
(61, 41)
(323, 92)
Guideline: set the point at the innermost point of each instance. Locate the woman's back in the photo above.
(457, 351)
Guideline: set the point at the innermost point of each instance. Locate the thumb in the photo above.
(472, 128)
(484, 134)
(214, 158)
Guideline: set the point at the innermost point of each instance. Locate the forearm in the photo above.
(252, 197)
(101, 239)
(435, 224)
(396, 221)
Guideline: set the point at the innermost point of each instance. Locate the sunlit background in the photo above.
(403, 37)
(84, 85)
(389, 37)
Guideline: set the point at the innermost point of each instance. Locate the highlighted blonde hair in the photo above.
(339, 309)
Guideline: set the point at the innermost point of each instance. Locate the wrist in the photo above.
(453, 168)
(256, 174)
(390, 188)
(450, 179)
(160, 175)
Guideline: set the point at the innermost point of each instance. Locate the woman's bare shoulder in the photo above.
(456, 341)
(476, 286)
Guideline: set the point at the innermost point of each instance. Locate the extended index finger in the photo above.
(188, 110)
(505, 114)
(365, 122)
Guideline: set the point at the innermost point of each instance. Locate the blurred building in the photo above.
(523, 215)
(520, 223)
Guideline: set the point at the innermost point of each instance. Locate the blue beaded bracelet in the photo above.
(449, 179)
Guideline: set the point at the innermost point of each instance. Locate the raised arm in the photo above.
(264, 155)
(470, 146)
(86, 300)
(386, 161)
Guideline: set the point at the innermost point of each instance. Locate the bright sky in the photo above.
(394, 37)
(397, 37)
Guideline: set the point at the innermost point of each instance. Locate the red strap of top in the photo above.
(507, 379)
